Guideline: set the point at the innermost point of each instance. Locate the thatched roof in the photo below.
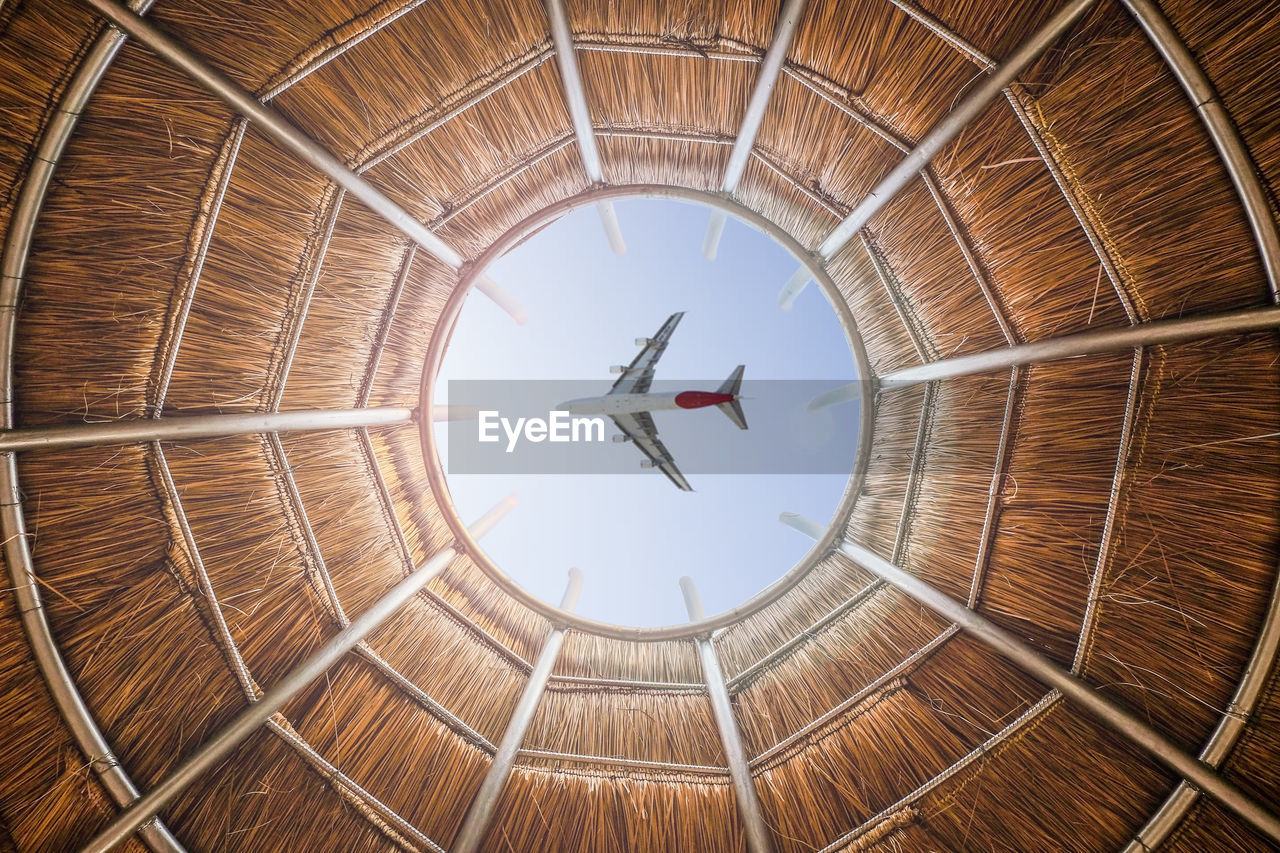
(1119, 512)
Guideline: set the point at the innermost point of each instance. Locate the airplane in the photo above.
(629, 402)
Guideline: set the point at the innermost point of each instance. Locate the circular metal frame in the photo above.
(1264, 651)
(471, 272)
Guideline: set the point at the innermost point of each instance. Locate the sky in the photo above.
(634, 534)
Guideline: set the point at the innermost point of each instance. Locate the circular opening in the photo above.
(633, 531)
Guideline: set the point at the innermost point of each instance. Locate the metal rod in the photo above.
(504, 300)
(750, 672)
(612, 230)
(421, 698)
(969, 109)
(380, 815)
(901, 536)
(687, 48)
(901, 306)
(1015, 95)
(295, 315)
(476, 823)
(758, 840)
(273, 124)
(1084, 644)
(197, 251)
(832, 93)
(574, 95)
(1076, 690)
(1232, 725)
(952, 222)
(935, 26)
(469, 196)
(338, 41)
(299, 525)
(385, 500)
(902, 533)
(180, 428)
(1091, 343)
(715, 230)
(664, 767)
(791, 290)
(384, 328)
(766, 77)
(251, 718)
(207, 600)
(1231, 148)
(1084, 213)
(1008, 429)
(876, 685)
(1240, 167)
(449, 107)
(16, 546)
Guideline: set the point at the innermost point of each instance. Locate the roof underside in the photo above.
(1120, 512)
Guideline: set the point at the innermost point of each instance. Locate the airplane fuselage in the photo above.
(617, 404)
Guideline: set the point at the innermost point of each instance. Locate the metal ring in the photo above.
(471, 271)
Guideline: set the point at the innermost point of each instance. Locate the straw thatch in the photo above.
(1119, 512)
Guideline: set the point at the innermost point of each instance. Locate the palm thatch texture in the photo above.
(1119, 512)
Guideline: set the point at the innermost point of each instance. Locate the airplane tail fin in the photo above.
(733, 409)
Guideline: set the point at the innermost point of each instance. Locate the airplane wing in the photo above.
(638, 376)
(640, 428)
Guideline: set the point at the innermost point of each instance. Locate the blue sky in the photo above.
(634, 535)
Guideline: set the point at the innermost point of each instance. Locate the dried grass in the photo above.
(1195, 555)
(645, 725)
(48, 795)
(832, 582)
(109, 247)
(1140, 154)
(263, 797)
(1195, 537)
(1061, 783)
(1055, 500)
(1237, 45)
(894, 66)
(835, 664)
(613, 811)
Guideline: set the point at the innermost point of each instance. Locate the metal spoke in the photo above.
(476, 823)
(273, 125)
(205, 599)
(983, 751)
(252, 718)
(80, 723)
(766, 76)
(758, 840)
(1076, 690)
(180, 428)
(1008, 430)
(1084, 645)
(193, 267)
(968, 110)
(1231, 148)
(1089, 343)
(295, 316)
(575, 97)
